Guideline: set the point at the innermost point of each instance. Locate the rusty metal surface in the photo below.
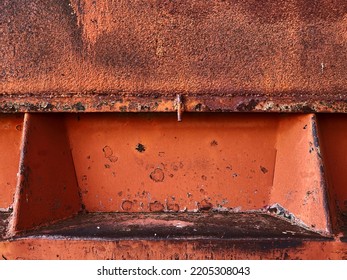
(175, 250)
(344, 227)
(170, 226)
(165, 102)
(3, 224)
(221, 55)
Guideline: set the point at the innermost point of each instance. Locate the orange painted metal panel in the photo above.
(237, 181)
(299, 182)
(47, 188)
(10, 138)
(150, 162)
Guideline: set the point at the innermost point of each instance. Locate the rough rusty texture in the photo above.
(250, 55)
(186, 226)
(3, 224)
(173, 249)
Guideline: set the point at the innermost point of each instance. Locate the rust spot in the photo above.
(127, 205)
(113, 158)
(263, 169)
(214, 143)
(250, 106)
(174, 166)
(107, 166)
(174, 207)
(203, 177)
(204, 205)
(156, 206)
(120, 193)
(157, 175)
(140, 148)
(107, 151)
(19, 127)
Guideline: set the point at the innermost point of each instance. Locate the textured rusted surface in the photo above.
(272, 55)
(344, 227)
(170, 226)
(173, 249)
(47, 188)
(10, 137)
(3, 223)
(157, 101)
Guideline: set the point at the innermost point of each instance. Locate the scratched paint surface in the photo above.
(274, 141)
(147, 162)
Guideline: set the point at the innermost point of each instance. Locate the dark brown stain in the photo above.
(263, 169)
(140, 148)
(199, 226)
(214, 143)
(122, 51)
(250, 106)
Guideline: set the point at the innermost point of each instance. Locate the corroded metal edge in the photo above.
(167, 102)
(172, 249)
(4, 219)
